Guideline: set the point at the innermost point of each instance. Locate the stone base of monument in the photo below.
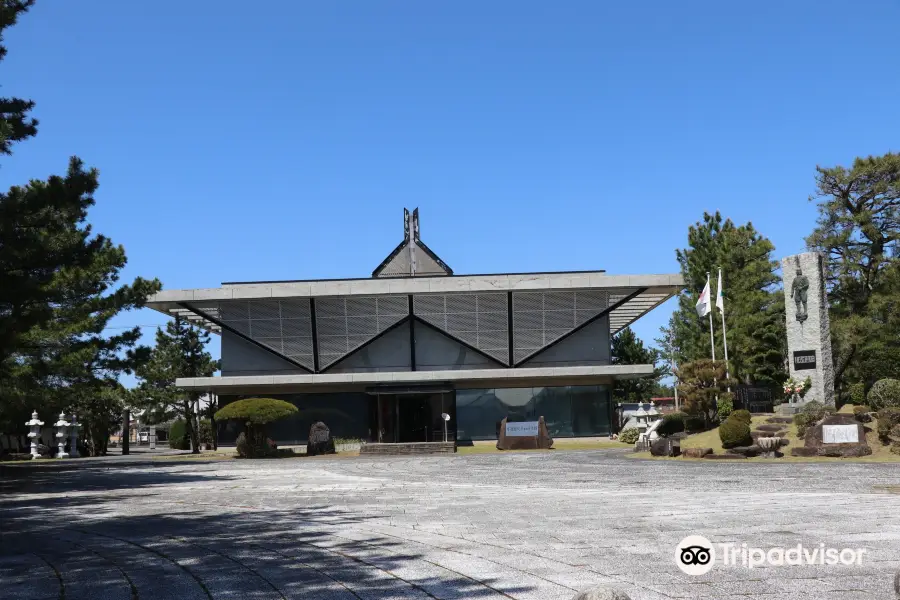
(405, 449)
(839, 436)
(542, 440)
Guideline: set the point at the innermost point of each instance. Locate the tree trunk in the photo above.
(190, 432)
(212, 421)
(126, 432)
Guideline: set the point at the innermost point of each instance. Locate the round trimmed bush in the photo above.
(885, 394)
(671, 423)
(694, 423)
(255, 413)
(735, 432)
(856, 394)
(629, 436)
(742, 415)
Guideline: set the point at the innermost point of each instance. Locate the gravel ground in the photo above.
(538, 526)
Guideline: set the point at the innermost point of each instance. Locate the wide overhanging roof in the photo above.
(458, 379)
(638, 294)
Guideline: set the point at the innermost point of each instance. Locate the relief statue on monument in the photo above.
(799, 292)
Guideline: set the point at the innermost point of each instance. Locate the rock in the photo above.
(727, 455)
(846, 438)
(320, 440)
(786, 420)
(696, 452)
(525, 442)
(665, 447)
(772, 427)
(747, 451)
(602, 593)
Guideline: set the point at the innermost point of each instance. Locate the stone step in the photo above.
(402, 449)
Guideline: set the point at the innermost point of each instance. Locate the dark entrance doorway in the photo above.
(414, 416)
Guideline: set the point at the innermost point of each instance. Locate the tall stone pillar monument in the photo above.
(808, 329)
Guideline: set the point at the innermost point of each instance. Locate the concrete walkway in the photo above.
(537, 526)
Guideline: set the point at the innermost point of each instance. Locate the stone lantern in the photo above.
(34, 434)
(73, 439)
(653, 414)
(61, 435)
(641, 418)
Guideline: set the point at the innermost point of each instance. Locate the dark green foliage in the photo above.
(856, 394)
(629, 436)
(694, 423)
(858, 229)
(178, 438)
(725, 407)
(256, 411)
(885, 393)
(810, 414)
(862, 414)
(252, 443)
(701, 384)
(206, 432)
(754, 304)
(15, 124)
(180, 352)
(888, 422)
(735, 432)
(743, 415)
(671, 423)
(628, 349)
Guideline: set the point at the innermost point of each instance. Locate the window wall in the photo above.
(569, 411)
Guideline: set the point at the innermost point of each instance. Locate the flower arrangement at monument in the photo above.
(795, 389)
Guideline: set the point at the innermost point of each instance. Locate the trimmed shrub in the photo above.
(671, 423)
(861, 414)
(742, 415)
(888, 422)
(856, 394)
(177, 439)
(885, 394)
(206, 432)
(725, 407)
(629, 436)
(735, 432)
(694, 423)
(811, 413)
(256, 413)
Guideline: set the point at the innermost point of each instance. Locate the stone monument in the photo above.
(836, 435)
(808, 329)
(320, 440)
(524, 435)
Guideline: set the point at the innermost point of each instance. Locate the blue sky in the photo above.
(281, 139)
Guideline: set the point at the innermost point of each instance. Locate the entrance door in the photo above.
(414, 418)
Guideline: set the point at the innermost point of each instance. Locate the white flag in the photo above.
(720, 299)
(703, 306)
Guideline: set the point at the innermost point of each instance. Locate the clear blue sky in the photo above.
(281, 139)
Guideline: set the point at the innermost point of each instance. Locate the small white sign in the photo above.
(840, 434)
(522, 428)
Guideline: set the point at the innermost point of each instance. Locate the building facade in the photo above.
(381, 358)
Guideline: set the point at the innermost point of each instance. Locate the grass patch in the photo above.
(710, 439)
(490, 447)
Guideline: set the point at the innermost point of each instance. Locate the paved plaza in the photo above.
(536, 526)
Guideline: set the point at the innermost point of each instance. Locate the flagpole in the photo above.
(724, 334)
(712, 340)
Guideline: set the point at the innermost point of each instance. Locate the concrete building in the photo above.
(380, 358)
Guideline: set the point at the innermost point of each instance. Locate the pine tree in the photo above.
(858, 230)
(180, 351)
(59, 288)
(628, 349)
(754, 304)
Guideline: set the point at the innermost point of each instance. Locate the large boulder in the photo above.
(837, 435)
(602, 593)
(525, 442)
(665, 447)
(320, 440)
(696, 452)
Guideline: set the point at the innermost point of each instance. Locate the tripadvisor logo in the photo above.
(696, 555)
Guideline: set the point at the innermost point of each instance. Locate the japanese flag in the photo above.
(703, 306)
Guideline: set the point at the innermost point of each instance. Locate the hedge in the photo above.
(177, 439)
(671, 423)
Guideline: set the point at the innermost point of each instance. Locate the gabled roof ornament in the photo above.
(412, 258)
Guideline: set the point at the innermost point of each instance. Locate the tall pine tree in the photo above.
(180, 351)
(754, 303)
(59, 288)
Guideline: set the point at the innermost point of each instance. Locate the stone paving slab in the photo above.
(535, 526)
